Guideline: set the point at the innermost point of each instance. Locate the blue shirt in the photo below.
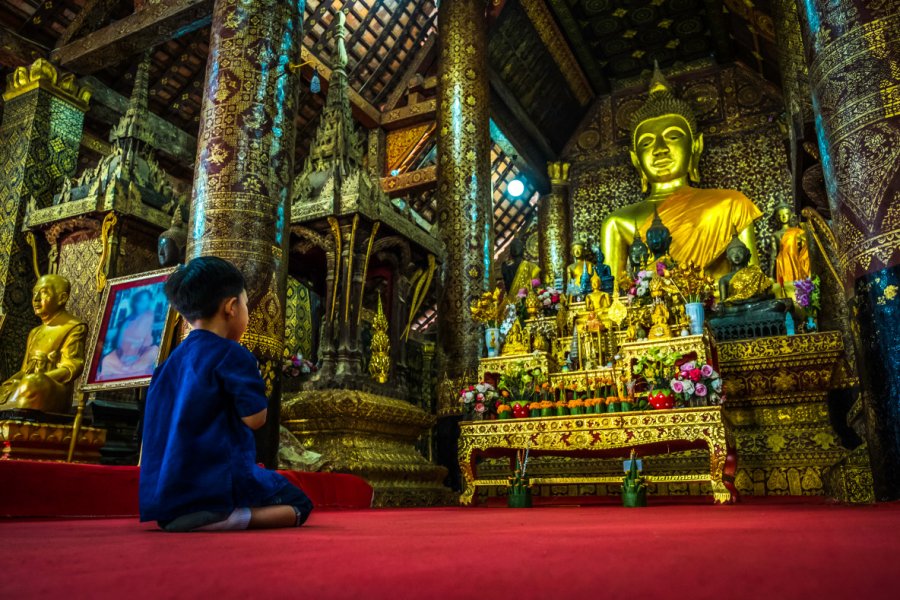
(197, 453)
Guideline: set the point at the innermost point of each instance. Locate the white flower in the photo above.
(469, 396)
(716, 385)
(688, 387)
(480, 388)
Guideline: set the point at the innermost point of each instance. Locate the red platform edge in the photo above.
(49, 489)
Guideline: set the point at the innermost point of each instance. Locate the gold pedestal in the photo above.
(26, 440)
(777, 390)
(370, 436)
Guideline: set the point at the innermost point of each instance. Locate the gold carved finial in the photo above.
(658, 82)
(380, 363)
(558, 173)
(42, 74)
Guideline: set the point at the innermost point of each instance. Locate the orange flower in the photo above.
(575, 403)
(501, 408)
(504, 393)
(545, 386)
(546, 404)
(561, 404)
(535, 406)
(611, 399)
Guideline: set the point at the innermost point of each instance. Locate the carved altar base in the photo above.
(371, 436)
(28, 440)
(601, 436)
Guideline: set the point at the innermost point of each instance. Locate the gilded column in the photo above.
(464, 200)
(555, 224)
(464, 178)
(245, 167)
(853, 51)
(43, 117)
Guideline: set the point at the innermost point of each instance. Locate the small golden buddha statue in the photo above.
(516, 342)
(54, 355)
(660, 319)
(518, 273)
(745, 282)
(597, 300)
(581, 264)
(666, 148)
(790, 253)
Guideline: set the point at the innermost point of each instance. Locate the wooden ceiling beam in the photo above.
(521, 115)
(114, 43)
(410, 182)
(569, 24)
(420, 57)
(17, 51)
(410, 115)
(173, 141)
(88, 20)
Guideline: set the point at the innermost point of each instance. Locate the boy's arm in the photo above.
(255, 421)
(240, 378)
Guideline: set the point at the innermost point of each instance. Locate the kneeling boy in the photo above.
(198, 467)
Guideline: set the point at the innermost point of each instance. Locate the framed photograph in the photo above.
(133, 334)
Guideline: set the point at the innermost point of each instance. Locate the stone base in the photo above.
(27, 440)
(371, 436)
(850, 480)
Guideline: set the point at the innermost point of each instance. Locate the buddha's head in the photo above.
(666, 144)
(516, 249)
(659, 238)
(578, 250)
(638, 251)
(737, 252)
(49, 296)
(783, 213)
(595, 283)
(172, 242)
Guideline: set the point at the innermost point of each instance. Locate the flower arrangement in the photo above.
(807, 294)
(504, 411)
(693, 283)
(296, 365)
(548, 296)
(489, 308)
(640, 289)
(522, 384)
(479, 401)
(656, 366)
(697, 385)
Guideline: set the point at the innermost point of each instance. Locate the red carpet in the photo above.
(47, 489)
(754, 550)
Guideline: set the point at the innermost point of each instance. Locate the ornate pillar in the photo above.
(555, 224)
(464, 196)
(853, 51)
(41, 131)
(464, 177)
(245, 167)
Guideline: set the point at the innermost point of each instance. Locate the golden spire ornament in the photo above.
(380, 362)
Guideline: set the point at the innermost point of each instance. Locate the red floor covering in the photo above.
(751, 550)
(52, 489)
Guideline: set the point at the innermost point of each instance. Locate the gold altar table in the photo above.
(604, 435)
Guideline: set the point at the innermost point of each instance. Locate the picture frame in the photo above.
(133, 333)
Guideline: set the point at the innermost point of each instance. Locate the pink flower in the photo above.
(535, 283)
(554, 298)
(522, 293)
(676, 386)
(694, 375)
(632, 291)
(660, 269)
(479, 407)
(700, 390)
(706, 370)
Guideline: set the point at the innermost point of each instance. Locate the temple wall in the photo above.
(739, 115)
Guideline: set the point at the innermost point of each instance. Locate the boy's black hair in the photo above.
(197, 289)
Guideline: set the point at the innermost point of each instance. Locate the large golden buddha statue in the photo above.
(518, 273)
(666, 148)
(54, 356)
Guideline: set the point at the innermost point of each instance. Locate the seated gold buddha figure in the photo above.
(666, 148)
(597, 300)
(790, 254)
(746, 288)
(580, 271)
(54, 355)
